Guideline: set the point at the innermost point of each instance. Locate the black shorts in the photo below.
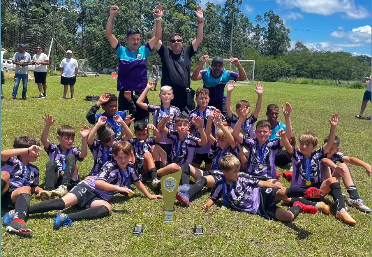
(68, 81)
(281, 158)
(216, 174)
(367, 96)
(40, 77)
(200, 157)
(167, 148)
(6, 199)
(267, 208)
(85, 195)
(138, 164)
(2, 78)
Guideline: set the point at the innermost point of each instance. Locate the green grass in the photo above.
(226, 233)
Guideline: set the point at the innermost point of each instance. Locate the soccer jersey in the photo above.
(242, 195)
(275, 130)
(140, 148)
(216, 86)
(20, 175)
(158, 112)
(247, 126)
(132, 74)
(261, 161)
(300, 164)
(55, 154)
(112, 174)
(110, 120)
(337, 157)
(216, 153)
(100, 156)
(180, 149)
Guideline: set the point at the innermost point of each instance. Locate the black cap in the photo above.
(217, 59)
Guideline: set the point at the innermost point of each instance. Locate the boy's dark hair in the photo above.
(202, 91)
(105, 133)
(262, 124)
(240, 103)
(132, 31)
(66, 130)
(113, 98)
(175, 35)
(337, 141)
(25, 142)
(140, 125)
(271, 106)
(124, 146)
(181, 118)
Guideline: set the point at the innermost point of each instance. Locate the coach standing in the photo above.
(69, 70)
(21, 59)
(41, 61)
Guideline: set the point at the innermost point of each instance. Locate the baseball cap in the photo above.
(22, 45)
(217, 59)
(68, 52)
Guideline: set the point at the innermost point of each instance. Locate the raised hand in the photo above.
(150, 85)
(334, 120)
(128, 95)
(167, 118)
(101, 121)
(151, 127)
(158, 11)
(84, 132)
(281, 133)
(118, 119)
(104, 98)
(34, 150)
(114, 10)
(234, 61)
(230, 86)
(128, 119)
(245, 111)
(199, 13)
(204, 58)
(259, 88)
(197, 122)
(287, 110)
(48, 120)
(217, 119)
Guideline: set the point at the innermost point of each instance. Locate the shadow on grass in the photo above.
(301, 233)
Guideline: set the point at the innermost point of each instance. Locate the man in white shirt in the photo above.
(366, 97)
(21, 59)
(41, 61)
(3, 51)
(69, 70)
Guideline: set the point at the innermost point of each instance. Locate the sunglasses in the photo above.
(176, 40)
(38, 48)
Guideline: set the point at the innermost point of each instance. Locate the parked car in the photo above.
(8, 65)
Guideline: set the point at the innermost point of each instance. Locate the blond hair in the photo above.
(166, 88)
(229, 163)
(221, 135)
(309, 138)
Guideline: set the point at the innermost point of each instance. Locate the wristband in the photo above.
(158, 19)
(200, 22)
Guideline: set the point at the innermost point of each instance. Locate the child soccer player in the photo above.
(24, 180)
(94, 193)
(102, 148)
(144, 161)
(203, 111)
(248, 124)
(164, 146)
(242, 192)
(109, 103)
(329, 164)
(61, 170)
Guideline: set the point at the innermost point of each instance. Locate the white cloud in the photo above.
(248, 9)
(359, 36)
(327, 7)
(293, 16)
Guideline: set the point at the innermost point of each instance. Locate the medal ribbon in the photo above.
(261, 153)
(167, 112)
(307, 167)
(63, 159)
(224, 184)
(105, 155)
(180, 147)
(27, 170)
(127, 179)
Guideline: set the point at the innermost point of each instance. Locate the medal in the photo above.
(130, 194)
(308, 183)
(260, 166)
(307, 166)
(261, 154)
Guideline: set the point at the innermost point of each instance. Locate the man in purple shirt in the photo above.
(132, 74)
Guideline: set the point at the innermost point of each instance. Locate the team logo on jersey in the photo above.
(268, 190)
(139, 56)
(182, 60)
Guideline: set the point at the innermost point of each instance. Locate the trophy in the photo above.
(138, 227)
(169, 186)
(198, 228)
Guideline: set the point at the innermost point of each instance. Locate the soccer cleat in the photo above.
(278, 175)
(61, 220)
(61, 98)
(288, 175)
(60, 191)
(155, 183)
(322, 206)
(345, 217)
(359, 204)
(306, 208)
(184, 188)
(45, 195)
(18, 227)
(41, 96)
(313, 192)
(3, 97)
(184, 199)
(8, 217)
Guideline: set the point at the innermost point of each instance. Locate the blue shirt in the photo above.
(274, 131)
(110, 120)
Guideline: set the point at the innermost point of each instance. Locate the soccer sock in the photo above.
(353, 192)
(295, 192)
(295, 210)
(48, 205)
(336, 193)
(3, 184)
(51, 169)
(91, 213)
(69, 170)
(158, 165)
(197, 187)
(302, 200)
(153, 173)
(21, 206)
(185, 177)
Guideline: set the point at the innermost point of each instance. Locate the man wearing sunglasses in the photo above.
(41, 61)
(176, 63)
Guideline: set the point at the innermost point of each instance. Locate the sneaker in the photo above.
(12, 98)
(19, 228)
(183, 198)
(322, 206)
(8, 217)
(45, 195)
(62, 98)
(61, 220)
(60, 191)
(155, 183)
(278, 175)
(345, 217)
(24, 98)
(184, 188)
(3, 98)
(41, 96)
(359, 204)
(288, 175)
(313, 192)
(306, 208)
(72, 98)
(45, 95)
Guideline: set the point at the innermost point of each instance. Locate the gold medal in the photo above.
(260, 166)
(130, 194)
(308, 183)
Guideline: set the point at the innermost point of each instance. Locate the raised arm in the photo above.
(242, 76)
(332, 134)
(141, 99)
(218, 122)
(196, 74)
(208, 130)
(259, 91)
(32, 150)
(155, 131)
(84, 133)
(124, 127)
(284, 141)
(111, 38)
(198, 122)
(199, 34)
(158, 12)
(161, 125)
(288, 123)
(230, 88)
(101, 122)
(236, 132)
(44, 135)
(159, 43)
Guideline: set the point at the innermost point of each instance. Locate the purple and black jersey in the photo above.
(20, 175)
(337, 157)
(216, 153)
(100, 156)
(180, 149)
(300, 164)
(140, 147)
(261, 162)
(248, 125)
(158, 112)
(242, 195)
(112, 174)
(55, 154)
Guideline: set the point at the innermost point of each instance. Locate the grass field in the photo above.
(226, 233)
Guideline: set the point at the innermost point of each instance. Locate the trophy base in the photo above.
(169, 217)
(138, 229)
(198, 230)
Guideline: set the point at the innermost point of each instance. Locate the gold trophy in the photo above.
(138, 227)
(169, 186)
(198, 227)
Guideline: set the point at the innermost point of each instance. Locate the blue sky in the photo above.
(331, 25)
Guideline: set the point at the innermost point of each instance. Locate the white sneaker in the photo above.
(156, 182)
(359, 204)
(60, 191)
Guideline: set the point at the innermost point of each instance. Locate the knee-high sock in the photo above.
(295, 210)
(45, 206)
(353, 192)
(153, 173)
(302, 200)
(69, 170)
(295, 192)
(91, 213)
(185, 177)
(21, 206)
(158, 164)
(336, 193)
(197, 187)
(51, 169)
